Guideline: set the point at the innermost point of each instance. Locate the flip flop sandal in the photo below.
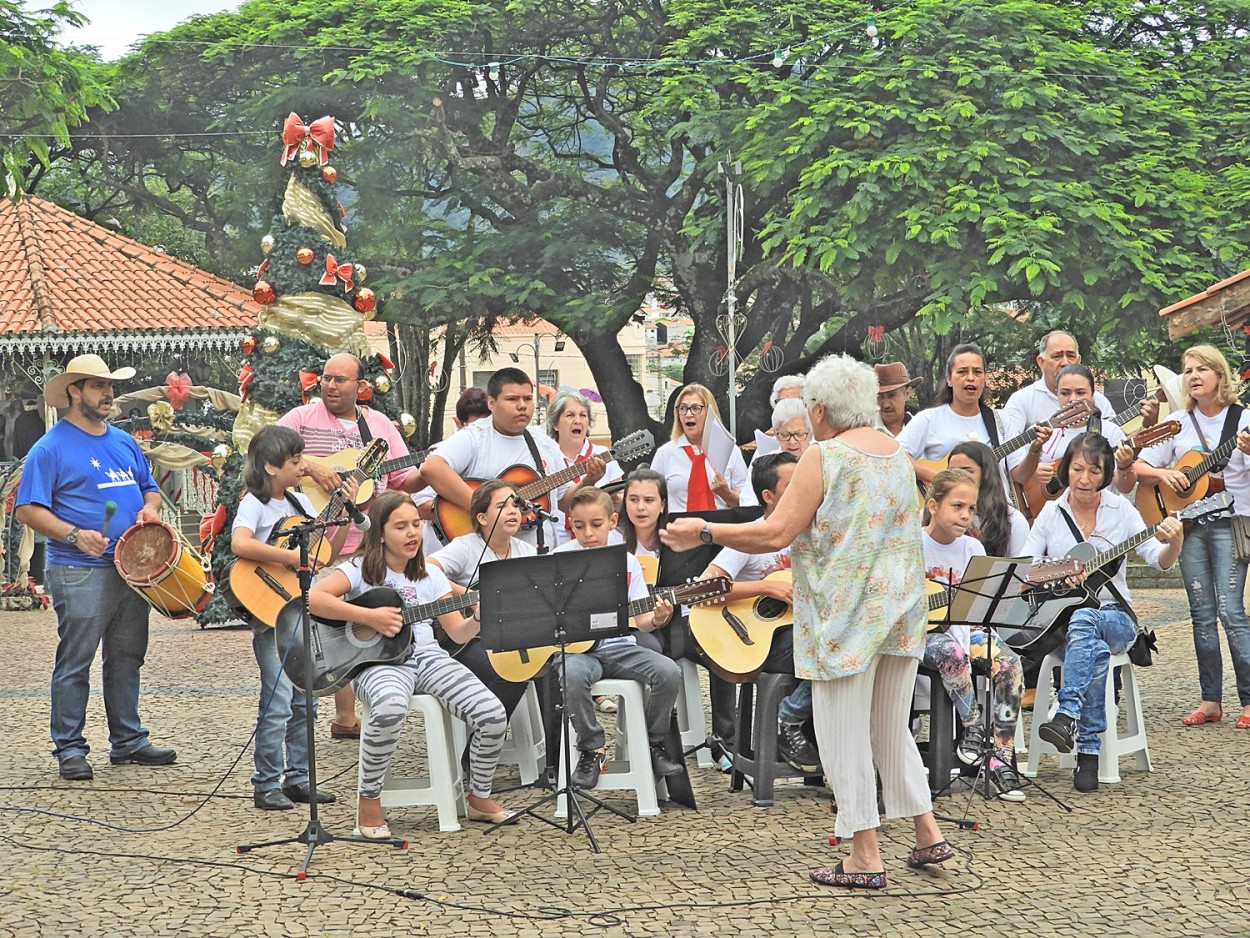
(939, 852)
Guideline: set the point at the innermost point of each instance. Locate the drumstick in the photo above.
(110, 509)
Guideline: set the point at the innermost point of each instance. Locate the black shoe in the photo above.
(590, 765)
(1085, 776)
(272, 800)
(1058, 732)
(662, 765)
(300, 793)
(76, 769)
(796, 749)
(148, 755)
(969, 749)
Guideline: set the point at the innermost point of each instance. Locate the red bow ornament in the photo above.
(178, 389)
(246, 376)
(319, 136)
(333, 269)
(307, 381)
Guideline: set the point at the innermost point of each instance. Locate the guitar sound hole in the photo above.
(361, 635)
(770, 608)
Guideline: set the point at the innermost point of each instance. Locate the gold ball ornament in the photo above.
(382, 384)
(267, 243)
(407, 424)
(271, 344)
(304, 256)
(366, 300)
(221, 452)
(330, 174)
(307, 159)
(359, 273)
(263, 292)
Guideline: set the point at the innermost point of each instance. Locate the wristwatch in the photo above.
(72, 536)
(706, 534)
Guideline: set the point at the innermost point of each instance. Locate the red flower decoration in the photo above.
(178, 389)
(876, 334)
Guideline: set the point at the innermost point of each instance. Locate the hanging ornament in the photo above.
(307, 159)
(161, 415)
(407, 424)
(307, 381)
(383, 384)
(385, 364)
(365, 300)
(330, 174)
(221, 452)
(267, 243)
(304, 256)
(366, 392)
(249, 344)
(178, 386)
(360, 273)
(271, 344)
(263, 292)
(246, 376)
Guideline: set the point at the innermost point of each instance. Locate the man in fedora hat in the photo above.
(84, 483)
(894, 387)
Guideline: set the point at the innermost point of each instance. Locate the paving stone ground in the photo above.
(142, 851)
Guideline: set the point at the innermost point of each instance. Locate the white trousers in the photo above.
(863, 719)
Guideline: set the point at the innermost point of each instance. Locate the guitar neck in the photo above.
(540, 487)
(439, 607)
(1105, 557)
(391, 465)
(1022, 439)
(1221, 453)
(1127, 414)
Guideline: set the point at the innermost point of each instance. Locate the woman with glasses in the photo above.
(694, 484)
(792, 429)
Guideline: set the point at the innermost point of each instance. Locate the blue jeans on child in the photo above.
(280, 720)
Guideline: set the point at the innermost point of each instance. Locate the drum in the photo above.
(158, 563)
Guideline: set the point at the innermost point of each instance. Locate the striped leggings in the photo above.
(386, 689)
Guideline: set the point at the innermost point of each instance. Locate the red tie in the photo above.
(698, 493)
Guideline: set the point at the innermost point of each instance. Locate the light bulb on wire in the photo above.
(492, 71)
(779, 58)
(871, 28)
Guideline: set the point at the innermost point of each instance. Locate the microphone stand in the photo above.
(314, 834)
(550, 690)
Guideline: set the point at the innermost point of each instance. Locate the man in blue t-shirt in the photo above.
(84, 483)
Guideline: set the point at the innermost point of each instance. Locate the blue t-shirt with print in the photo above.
(74, 473)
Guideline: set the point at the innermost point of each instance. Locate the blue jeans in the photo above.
(797, 706)
(1215, 582)
(95, 607)
(1094, 635)
(279, 719)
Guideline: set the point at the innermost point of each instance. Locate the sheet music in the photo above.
(718, 444)
(765, 444)
(977, 599)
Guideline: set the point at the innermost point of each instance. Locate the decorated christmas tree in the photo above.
(315, 305)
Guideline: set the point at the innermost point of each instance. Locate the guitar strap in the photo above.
(991, 425)
(295, 503)
(1231, 419)
(366, 436)
(533, 447)
(1113, 567)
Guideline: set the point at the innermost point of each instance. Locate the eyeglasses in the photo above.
(337, 379)
(692, 409)
(798, 436)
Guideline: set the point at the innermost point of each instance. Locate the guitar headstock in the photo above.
(699, 592)
(1050, 569)
(1211, 505)
(1156, 434)
(1076, 412)
(372, 457)
(636, 445)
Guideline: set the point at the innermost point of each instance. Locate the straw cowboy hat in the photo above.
(893, 376)
(84, 366)
(1170, 382)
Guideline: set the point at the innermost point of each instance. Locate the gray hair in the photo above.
(786, 410)
(784, 383)
(846, 388)
(563, 400)
(1044, 342)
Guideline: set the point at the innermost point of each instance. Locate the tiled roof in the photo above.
(62, 273)
(1226, 303)
(1205, 294)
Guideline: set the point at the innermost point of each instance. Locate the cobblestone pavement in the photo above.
(147, 851)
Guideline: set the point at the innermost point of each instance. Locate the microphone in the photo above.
(359, 518)
(110, 509)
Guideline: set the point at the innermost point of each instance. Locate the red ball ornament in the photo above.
(304, 255)
(263, 292)
(249, 345)
(366, 300)
(330, 174)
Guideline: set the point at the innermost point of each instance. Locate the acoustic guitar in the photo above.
(737, 636)
(527, 664)
(1155, 502)
(453, 521)
(940, 595)
(346, 462)
(341, 649)
(1037, 495)
(258, 591)
(1039, 617)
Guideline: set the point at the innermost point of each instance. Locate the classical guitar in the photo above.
(1066, 416)
(940, 595)
(260, 590)
(737, 636)
(527, 664)
(1155, 502)
(453, 521)
(341, 649)
(1039, 616)
(1037, 495)
(347, 463)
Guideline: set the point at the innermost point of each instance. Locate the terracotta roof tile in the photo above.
(1205, 294)
(61, 272)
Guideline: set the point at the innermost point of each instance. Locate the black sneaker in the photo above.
(148, 755)
(1058, 732)
(796, 749)
(590, 764)
(1085, 776)
(662, 764)
(969, 749)
(1005, 779)
(76, 769)
(271, 799)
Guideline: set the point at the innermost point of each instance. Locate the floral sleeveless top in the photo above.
(859, 587)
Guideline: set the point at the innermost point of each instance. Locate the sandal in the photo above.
(1200, 716)
(836, 876)
(341, 731)
(939, 852)
(1243, 722)
(605, 704)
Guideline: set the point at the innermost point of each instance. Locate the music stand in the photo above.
(557, 599)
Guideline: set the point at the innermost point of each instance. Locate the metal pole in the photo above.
(538, 380)
(732, 173)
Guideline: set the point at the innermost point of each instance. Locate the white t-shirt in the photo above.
(751, 568)
(672, 462)
(934, 432)
(1236, 474)
(415, 593)
(613, 473)
(460, 558)
(479, 451)
(636, 586)
(262, 517)
(946, 563)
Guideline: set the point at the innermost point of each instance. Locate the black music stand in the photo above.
(988, 597)
(314, 834)
(557, 599)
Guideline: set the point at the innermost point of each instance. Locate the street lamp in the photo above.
(558, 346)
